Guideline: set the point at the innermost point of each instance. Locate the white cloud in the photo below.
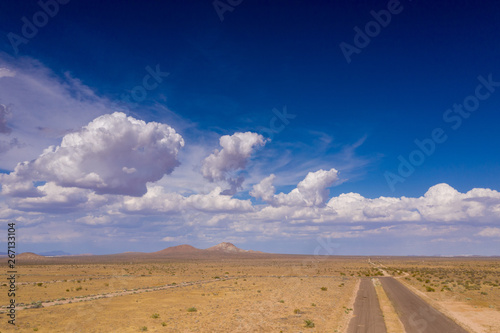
(42, 107)
(265, 189)
(5, 72)
(157, 201)
(441, 203)
(53, 199)
(154, 201)
(489, 232)
(312, 191)
(94, 220)
(235, 152)
(113, 154)
(216, 202)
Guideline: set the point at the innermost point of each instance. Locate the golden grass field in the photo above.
(267, 294)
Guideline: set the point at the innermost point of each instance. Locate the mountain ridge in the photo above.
(183, 250)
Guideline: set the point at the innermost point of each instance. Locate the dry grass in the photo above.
(248, 296)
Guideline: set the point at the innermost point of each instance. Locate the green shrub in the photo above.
(296, 311)
(155, 315)
(324, 288)
(36, 305)
(192, 309)
(143, 329)
(308, 323)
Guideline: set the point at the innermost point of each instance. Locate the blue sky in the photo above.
(150, 124)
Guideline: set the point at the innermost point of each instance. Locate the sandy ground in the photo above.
(259, 295)
(255, 296)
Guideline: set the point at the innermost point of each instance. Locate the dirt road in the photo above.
(367, 316)
(416, 315)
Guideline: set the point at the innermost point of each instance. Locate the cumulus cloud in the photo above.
(489, 232)
(235, 152)
(153, 202)
(113, 154)
(311, 191)
(441, 203)
(265, 189)
(43, 107)
(157, 201)
(51, 198)
(215, 201)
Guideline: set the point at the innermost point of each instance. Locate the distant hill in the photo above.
(54, 253)
(219, 249)
(179, 249)
(30, 256)
(185, 251)
(227, 248)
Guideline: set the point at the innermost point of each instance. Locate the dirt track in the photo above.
(367, 314)
(417, 315)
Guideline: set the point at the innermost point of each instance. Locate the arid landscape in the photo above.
(249, 166)
(224, 289)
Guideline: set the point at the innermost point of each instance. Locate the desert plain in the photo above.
(190, 291)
